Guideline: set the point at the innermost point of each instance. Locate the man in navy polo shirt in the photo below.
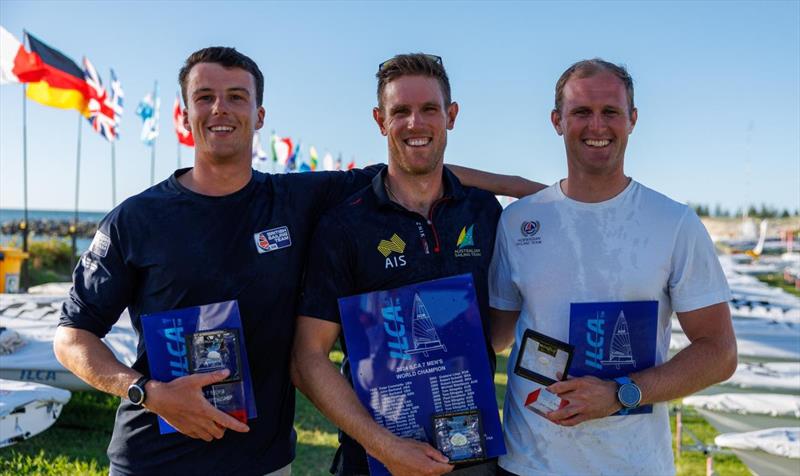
(197, 238)
(421, 208)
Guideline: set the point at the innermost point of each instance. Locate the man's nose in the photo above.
(414, 119)
(220, 106)
(597, 122)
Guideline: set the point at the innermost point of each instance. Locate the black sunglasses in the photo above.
(434, 58)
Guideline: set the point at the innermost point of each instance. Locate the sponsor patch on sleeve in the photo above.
(273, 239)
(100, 244)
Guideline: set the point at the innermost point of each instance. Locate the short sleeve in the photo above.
(697, 279)
(328, 272)
(503, 291)
(102, 283)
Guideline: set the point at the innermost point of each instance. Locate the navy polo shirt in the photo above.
(169, 248)
(350, 255)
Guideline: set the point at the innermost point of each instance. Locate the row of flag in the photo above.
(287, 153)
(55, 80)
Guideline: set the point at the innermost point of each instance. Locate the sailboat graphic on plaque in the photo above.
(620, 352)
(423, 332)
(607, 348)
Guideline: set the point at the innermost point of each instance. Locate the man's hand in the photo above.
(410, 457)
(182, 404)
(588, 397)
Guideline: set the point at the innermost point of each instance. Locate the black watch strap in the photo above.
(136, 392)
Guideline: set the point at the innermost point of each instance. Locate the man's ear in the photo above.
(555, 119)
(634, 118)
(452, 112)
(261, 114)
(185, 119)
(377, 114)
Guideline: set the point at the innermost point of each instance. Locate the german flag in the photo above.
(61, 83)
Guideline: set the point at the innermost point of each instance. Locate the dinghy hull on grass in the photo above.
(742, 412)
(27, 409)
(35, 319)
(773, 452)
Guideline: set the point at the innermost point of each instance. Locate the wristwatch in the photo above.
(136, 392)
(629, 394)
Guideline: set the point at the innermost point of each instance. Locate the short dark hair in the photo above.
(227, 57)
(412, 64)
(589, 68)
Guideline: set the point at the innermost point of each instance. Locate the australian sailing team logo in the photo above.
(394, 245)
(529, 230)
(465, 245)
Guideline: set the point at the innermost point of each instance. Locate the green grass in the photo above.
(777, 281)
(76, 444)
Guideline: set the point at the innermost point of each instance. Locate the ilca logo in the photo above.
(530, 230)
(465, 245)
(394, 245)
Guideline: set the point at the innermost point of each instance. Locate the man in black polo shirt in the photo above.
(416, 202)
(199, 238)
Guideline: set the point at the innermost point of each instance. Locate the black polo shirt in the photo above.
(348, 256)
(169, 248)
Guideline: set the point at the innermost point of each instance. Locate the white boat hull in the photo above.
(27, 409)
(35, 318)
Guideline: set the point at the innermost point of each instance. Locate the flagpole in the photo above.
(113, 177)
(24, 225)
(179, 154)
(152, 163)
(74, 227)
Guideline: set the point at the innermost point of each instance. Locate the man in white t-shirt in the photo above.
(601, 262)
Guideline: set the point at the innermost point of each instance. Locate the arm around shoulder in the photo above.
(499, 184)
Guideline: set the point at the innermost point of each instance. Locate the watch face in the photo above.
(629, 395)
(135, 394)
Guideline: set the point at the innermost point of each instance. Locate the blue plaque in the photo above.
(166, 335)
(418, 351)
(613, 339)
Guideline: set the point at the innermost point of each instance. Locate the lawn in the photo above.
(76, 444)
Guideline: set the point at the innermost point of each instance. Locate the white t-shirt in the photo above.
(551, 252)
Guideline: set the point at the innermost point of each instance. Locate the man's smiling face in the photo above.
(221, 111)
(415, 121)
(595, 121)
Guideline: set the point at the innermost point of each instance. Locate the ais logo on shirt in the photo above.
(394, 245)
(465, 245)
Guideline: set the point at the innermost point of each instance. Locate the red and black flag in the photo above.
(62, 83)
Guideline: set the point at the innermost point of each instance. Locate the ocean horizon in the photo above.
(14, 214)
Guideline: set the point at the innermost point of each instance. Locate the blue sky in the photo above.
(717, 86)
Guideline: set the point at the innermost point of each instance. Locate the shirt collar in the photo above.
(452, 187)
